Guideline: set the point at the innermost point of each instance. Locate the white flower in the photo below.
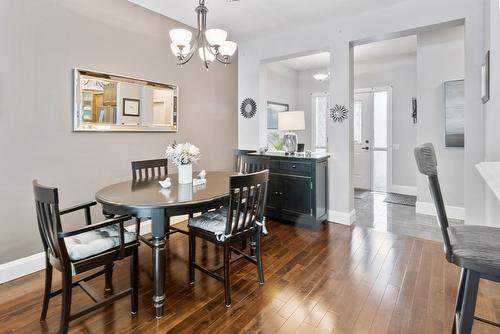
(182, 154)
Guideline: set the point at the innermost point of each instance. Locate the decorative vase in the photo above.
(185, 173)
(290, 143)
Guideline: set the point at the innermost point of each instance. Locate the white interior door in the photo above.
(362, 137)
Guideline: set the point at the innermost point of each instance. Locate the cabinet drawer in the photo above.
(298, 167)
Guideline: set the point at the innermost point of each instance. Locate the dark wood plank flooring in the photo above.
(336, 280)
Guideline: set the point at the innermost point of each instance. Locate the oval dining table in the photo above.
(147, 199)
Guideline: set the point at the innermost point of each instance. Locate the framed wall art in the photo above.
(454, 104)
(273, 109)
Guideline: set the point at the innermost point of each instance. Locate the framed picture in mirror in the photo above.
(131, 107)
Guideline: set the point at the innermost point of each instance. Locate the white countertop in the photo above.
(490, 171)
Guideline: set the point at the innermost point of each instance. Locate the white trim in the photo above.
(36, 262)
(21, 267)
(344, 218)
(404, 190)
(427, 208)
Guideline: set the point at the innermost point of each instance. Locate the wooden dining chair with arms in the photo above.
(473, 248)
(78, 251)
(227, 226)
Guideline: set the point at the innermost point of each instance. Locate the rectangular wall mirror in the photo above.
(108, 102)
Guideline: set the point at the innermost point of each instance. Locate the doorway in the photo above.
(372, 111)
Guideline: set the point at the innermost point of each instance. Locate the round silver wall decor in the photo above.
(339, 113)
(248, 108)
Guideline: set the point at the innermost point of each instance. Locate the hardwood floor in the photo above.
(339, 279)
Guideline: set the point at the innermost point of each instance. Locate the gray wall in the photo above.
(282, 87)
(42, 41)
(492, 107)
(440, 58)
(308, 86)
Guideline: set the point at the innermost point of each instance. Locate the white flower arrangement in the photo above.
(183, 154)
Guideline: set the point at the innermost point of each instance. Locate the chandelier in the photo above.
(210, 44)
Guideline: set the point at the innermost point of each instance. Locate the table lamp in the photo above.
(289, 121)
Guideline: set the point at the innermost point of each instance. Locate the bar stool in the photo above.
(473, 248)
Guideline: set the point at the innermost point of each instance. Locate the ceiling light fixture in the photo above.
(321, 76)
(210, 44)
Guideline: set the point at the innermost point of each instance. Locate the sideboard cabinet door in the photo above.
(273, 196)
(295, 195)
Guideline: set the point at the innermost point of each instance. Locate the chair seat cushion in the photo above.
(211, 221)
(476, 247)
(94, 242)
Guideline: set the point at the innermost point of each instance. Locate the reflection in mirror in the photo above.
(105, 102)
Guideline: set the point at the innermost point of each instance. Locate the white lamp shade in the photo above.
(291, 120)
(228, 48)
(175, 49)
(209, 56)
(216, 36)
(180, 36)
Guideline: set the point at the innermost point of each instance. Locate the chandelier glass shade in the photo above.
(211, 44)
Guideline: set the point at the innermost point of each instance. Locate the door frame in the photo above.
(313, 119)
(373, 90)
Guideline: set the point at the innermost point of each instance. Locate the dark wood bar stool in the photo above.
(78, 251)
(475, 249)
(143, 170)
(226, 226)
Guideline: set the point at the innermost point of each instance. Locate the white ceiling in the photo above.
(249, 18)
(384, 49)
(307, 62)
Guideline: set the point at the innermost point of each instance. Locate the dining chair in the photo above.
(149, 169)
(473, 248)
(228, 225)
(78, 251)
(238, 154)
(253, 163)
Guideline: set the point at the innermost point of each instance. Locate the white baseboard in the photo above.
(427, 208)
(344, 218)
(36, 262)
(404, 190)
(21, 267)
